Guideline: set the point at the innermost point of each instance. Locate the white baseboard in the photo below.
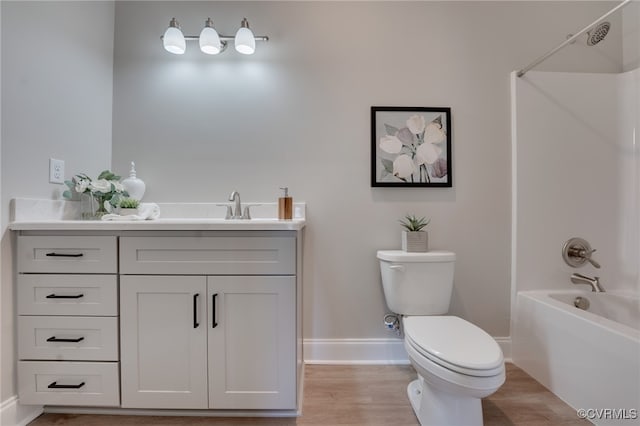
(354, 351)
(505, 345)
(368, 351)
(14, 414)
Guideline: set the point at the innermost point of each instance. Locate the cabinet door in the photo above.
(163, 341)
(252, 342)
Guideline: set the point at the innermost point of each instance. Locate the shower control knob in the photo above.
(576, 251)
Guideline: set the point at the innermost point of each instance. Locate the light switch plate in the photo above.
(56, 171)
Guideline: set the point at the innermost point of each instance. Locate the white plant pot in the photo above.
(128, 212)
(415, 241)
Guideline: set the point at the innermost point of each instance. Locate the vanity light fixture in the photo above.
(210, 41)
(173, 40)
(245, 41)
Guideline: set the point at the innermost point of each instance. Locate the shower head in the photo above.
(596, 34)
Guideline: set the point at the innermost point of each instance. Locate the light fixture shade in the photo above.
(245, 42)
(173, 39)
(209, 39)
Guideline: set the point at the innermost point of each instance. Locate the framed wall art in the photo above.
(411, 147)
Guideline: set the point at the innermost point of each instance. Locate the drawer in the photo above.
(68, 383)
(68, 338)
(208, 255)
(88, 295)
(60, 254)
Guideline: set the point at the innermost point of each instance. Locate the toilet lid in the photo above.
(404, 256)
(455, 344)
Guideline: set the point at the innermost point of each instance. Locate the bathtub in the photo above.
(588, 358)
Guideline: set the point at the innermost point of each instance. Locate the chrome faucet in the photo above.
(583, 279)
(237, 213)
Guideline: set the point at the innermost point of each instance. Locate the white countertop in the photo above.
(60, 215)
(170, 224)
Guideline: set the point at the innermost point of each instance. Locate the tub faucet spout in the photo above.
(583, 279)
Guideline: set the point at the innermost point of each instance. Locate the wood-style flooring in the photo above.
(366, 395)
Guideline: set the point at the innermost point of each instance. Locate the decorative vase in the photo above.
(134, 185)
(415, 241)
(91, 207)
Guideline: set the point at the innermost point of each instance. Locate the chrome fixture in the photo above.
(392, 322)
(210, 41)
(237, 213)
(576, 251)
(581, 303)
(598, 33)
(233, 211)
(595, 35)
(583, 279)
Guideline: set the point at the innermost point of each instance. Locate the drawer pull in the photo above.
(55, 385)
(64, 296)
(195, 310)
(55, 339)
(54, 254)
(213, 310)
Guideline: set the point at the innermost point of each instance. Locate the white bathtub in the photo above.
(590, 359)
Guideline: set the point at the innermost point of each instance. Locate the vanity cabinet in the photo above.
(68, 320)
(160, 319)
(218, 334)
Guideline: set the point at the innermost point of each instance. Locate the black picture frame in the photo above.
(402, 158)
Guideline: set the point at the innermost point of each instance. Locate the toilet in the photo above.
(457, 362)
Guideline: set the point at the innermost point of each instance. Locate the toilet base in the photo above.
(443, 409)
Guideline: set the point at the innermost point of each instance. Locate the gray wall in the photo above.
(297, 114)
(57, 82)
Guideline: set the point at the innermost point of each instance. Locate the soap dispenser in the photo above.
(134, 186)
(285, 205)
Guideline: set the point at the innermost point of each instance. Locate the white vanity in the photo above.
(171, 314)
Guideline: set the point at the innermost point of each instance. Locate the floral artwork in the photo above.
(411, 146)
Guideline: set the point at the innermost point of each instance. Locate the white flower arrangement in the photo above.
(106, 189)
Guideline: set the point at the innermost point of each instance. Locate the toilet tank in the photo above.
(417, 283)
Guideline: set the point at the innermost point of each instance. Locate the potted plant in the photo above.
(414, 239)
(129, 206)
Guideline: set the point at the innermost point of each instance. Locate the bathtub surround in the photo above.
(575, 174)
(295, 113)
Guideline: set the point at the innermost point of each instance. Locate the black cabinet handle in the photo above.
(213, 310)
(55, 385)
(54, 254)
(63, 296)
(195, 310)
(55, 339)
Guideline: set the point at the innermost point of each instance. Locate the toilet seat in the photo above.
(454, 344)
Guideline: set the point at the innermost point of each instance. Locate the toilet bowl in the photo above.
(457, 365)
(457, 362)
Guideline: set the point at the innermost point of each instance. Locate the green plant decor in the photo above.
(129, 203)
(414, 224)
